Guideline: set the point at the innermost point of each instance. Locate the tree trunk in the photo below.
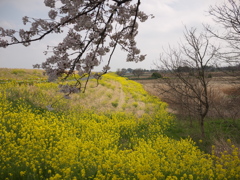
(202, 127)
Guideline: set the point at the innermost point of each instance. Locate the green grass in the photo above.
(216, 131)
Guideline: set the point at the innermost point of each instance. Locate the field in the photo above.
(223, 116)
(221, 84)
(116, 130)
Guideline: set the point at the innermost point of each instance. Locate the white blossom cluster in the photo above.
(95, 28)
(68, 89)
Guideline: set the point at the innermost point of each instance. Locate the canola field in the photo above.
(112, 132)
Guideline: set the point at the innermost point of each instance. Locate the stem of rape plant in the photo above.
(56, 101)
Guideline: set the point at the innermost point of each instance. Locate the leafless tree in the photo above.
(186, 81)
(138, 72)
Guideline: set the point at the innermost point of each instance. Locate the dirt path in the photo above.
(121, 97)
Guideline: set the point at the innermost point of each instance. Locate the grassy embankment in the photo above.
(114, 131)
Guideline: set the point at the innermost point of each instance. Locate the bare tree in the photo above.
(186, 81)
(138, 72)
(94, 29)
(227, 16)
(121, 72)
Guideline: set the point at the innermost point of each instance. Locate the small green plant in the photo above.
(115, 103)
(109, 95)
(156, 75)
(135, 104)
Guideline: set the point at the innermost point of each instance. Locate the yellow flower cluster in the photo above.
(85, 144)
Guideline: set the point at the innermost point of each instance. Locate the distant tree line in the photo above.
(189, 69)
(156, 73)
(136, 72)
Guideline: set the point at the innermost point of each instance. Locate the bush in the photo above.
(115, 104)
(156, 75)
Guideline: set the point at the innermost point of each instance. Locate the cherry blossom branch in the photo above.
(56, 27)
(90, 35)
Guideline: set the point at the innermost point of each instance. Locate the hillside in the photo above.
(113, 131)
(21, 74)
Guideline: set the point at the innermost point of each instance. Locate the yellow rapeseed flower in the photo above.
(22, 173)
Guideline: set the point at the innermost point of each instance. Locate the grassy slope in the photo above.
(112, 94)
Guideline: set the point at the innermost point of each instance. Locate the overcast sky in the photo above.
(165, 29)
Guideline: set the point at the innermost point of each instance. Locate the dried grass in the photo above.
(224, 98)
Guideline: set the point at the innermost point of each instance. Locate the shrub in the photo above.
(115, 104)
(156, 75)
